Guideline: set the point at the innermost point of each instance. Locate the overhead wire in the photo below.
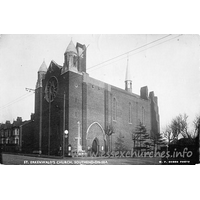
(16, 100)
(128, 53)
(104, 63)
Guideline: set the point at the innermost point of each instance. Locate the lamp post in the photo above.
(65, 132)
(78, 138)
(65, 135)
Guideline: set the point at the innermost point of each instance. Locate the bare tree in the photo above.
(197, 131)
(119, 144)
(197, 126)
(168, 134)
(179, 126)
(109, 130)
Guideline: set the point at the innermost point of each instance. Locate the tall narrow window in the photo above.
(143, 115)
(114, 109)
(129, 114)
(137, 119)
(74, 61)
(17, 141)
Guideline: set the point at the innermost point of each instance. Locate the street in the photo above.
(10, 159)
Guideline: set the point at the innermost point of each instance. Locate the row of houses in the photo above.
(11, 137)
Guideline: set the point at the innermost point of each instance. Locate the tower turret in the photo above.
(81, 50)
(41, 74)
(128, 81)
(70, 59)
(38, 108)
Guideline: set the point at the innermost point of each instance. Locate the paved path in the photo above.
(10, 159)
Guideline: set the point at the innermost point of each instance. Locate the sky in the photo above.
(170, 67)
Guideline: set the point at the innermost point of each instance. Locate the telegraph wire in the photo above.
(19, 98)
(130, 51)
(16, 100)
(25, 96)
(135, 50)
(138, 51)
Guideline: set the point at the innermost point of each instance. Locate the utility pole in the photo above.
(40, 118)
(63, 146)
(49, 135)
(40, 123)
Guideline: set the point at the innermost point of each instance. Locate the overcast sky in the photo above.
(169, 67)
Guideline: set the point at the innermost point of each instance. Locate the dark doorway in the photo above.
(95, 146)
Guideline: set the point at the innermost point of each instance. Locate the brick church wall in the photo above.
(122, 124)
(88, 100)
(95, 103)
(74, 107)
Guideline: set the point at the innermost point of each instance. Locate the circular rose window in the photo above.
(51, 89)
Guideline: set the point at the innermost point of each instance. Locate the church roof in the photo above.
(43, 67)
(71, 48)
(128, 73)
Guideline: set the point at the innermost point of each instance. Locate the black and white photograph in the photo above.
(99, 99)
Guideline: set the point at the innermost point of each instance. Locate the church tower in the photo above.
(128, 81)
(38, 107)
(70, 59)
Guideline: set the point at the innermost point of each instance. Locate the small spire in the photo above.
(71, 48)
(128, 81)
(43, 67)
(128, 72)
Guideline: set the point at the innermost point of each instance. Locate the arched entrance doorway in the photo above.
(95, 138)
(95, 146)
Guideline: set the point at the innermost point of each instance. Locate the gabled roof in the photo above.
(56, 64)
(53, 66)
(71, 48)
(24, 123)
(16, 123)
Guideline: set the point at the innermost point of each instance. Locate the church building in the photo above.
(73, 111)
